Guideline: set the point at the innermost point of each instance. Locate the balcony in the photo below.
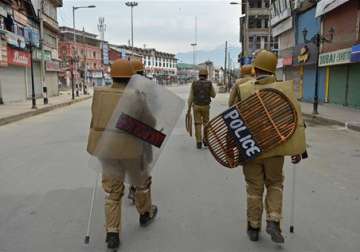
(259, 12)
(258, 31)
(51, 23)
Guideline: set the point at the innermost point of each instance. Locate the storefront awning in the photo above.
(355, 53)
(324, 6)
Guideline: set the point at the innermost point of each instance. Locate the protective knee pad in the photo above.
(115, 193)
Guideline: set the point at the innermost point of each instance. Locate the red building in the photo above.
(87, 54)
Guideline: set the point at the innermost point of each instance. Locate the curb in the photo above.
(18, 117)
(328, 121)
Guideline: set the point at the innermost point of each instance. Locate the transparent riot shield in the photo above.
(140, 125)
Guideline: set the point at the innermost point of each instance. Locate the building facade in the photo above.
(50, 65)
(255, 29)
(338, 71)
(88, 56)
(19, 24)
(17, 20)
(159, 65)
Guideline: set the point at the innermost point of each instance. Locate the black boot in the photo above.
(131, 195)
(146, 219)
(112, 240)
(253, 233)
(198, 145)
(204, 143)
(273, 229)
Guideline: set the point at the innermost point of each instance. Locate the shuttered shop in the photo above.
(337, 84)
(309, 83)
(354, 85)
(12, 82)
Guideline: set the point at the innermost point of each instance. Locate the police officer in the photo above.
(265, 172)
(201, 92)
(119, 160)
(247, 73)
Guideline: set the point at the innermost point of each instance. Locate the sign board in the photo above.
(105, 53)
(335, 58)
(18, 58)
(15, 40)
(32, 35)
(355, 53)
(305, 54)
(52, 66)
(37, 55)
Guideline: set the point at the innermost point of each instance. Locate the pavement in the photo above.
(46, 184)
(328, 113)
(12, 112)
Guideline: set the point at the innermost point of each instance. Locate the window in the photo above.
(258, 42)
(50, 40)
(94, 55)
(259, 4)
(258, 23)
(252, 22)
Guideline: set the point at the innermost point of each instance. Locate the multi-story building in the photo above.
(187, 72)
(87, 54)
(255, 27)
(335, 62)
(17, 20)
(47, 13)
(159, 65)
(20, 23)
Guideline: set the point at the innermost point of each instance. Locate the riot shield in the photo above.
(252, 127)
(142, 118)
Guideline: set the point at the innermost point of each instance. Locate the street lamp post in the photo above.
(74, 52)
(132, 5)
(317, 39)
(30, 45)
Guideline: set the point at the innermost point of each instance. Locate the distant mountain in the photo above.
(216, 55)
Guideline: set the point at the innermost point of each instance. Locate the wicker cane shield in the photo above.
(254, 126)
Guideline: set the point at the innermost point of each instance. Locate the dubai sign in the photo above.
(335, 58)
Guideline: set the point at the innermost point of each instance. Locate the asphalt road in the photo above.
(45, 190)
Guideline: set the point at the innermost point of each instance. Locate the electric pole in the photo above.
(42, 70)
(102, 29)
(225, 65)
(132, 5)
(195, 43)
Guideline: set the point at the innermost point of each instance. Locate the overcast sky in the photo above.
(164, 25)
